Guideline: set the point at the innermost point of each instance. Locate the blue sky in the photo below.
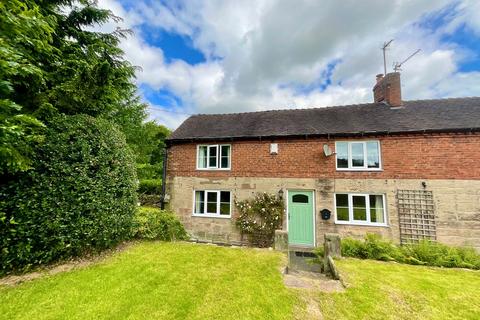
(230, 56)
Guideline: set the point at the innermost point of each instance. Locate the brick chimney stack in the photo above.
(388, 89)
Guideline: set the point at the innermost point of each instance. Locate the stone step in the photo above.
(301, 260)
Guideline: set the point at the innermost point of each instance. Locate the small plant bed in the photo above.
(158, 280)
(382, 290)
(425, 253)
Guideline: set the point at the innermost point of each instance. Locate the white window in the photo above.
(358, 155)
(213, 157)
(212, 203)
(364, 209)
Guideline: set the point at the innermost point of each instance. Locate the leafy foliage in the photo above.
(440, 255)
(24, 35)
(149, 144)
(260, 217)
(424, 253)
(149, 192)
(51, 60)
(150, 186)
(149, 171)
(155, 224)
(80, 196)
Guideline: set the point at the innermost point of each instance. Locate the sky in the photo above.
(221, 56)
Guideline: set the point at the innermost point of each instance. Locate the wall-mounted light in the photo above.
(280, 193)
(424, 184)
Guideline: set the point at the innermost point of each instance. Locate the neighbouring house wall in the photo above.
(446, 156)
(446, 163)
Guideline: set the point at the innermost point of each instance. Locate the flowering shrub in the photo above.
(260, 217)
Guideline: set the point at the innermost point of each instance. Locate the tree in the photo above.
(149, 147)
(24, 34)
(52, 62)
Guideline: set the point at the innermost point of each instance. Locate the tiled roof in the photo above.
(458, 114)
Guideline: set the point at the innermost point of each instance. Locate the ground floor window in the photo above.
(212, 203)
(364, 209)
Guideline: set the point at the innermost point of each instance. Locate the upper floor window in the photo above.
(358, 155)
(216, 156)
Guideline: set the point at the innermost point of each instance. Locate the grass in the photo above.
(380, 290)
(157, 280)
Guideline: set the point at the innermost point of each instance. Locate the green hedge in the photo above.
(150, 200)
(150, 186)
(149, 171)
(423, 253)
(80, 196)
(152, 223)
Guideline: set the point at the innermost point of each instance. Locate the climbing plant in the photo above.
(259, 217)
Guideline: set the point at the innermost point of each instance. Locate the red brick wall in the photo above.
(439, 156)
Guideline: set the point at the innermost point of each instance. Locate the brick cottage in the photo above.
(406, 170)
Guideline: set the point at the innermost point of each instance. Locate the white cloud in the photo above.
(265, 46)
(166, 117)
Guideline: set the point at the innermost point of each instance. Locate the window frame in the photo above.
(365, 156)
(211, 215)
(351, 220)
(218, 157)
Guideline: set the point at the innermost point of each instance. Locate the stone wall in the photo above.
(457, 205)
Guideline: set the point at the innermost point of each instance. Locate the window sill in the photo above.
(213, 169)
(360, 169)
(211, 216)
(363, 224)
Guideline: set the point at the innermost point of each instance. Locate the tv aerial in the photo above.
(397, 66)
(384, 48)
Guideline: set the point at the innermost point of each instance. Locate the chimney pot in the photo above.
(388, 89)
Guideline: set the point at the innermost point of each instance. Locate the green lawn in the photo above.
(160, 281)
(154, 280)
(380, 290)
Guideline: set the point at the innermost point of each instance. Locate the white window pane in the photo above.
(225, 196)
(212, 202)
(199, 202)
(341, 200)
(212, 157)
(202, 157)
(342, 214)
(357, 155)
(341, 203)
(225, 157)
(359, 208)
(342, 154)
(376, 209)
(373, 158)
(225, 203)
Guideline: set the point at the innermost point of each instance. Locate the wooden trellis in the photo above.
(416, 215)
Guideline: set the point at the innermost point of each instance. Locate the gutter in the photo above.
(170, 142)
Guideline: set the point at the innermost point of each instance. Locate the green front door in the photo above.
(300, 218)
